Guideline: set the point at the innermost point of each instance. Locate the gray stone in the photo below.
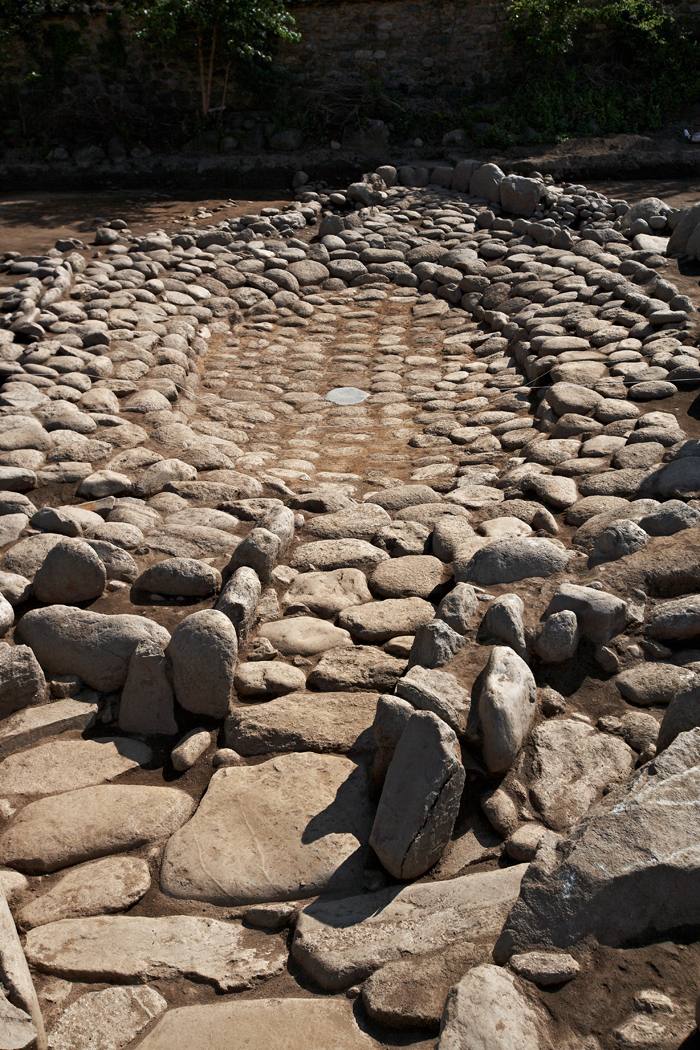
(519, 195)
(82, 825)
(101, 888)
(486, 182)
(16, 985)
(359, 522)
(488, 1008)
(559, 638)
(437, 691)
(458, 607)
(435, 644)
(104, 483)
(679, 618)
(28, 727)
(26, 556)
(638, 845)
(304, 635)
(503, 623)
(110, 1019)
(338, 554)
(681, 715)
(600, 615)
(356, 667)
(421, 576)
(140, 948)
(146, 704)
(179, 576)
(401, 496)
(66, 765)
(22, 682)
(14, 588)
(653, 683)
(319, 846)
(17, 1030)
(507, 561)
(671, 517)
(70, 573)
(420, 799)
(202, 653)
(572, 764)
(341, 942)
(300, 1024)
(449, 534)
(239, 599)
(190, 749)
(620, 538)
(95, 647)
(377, 622)
(320, 722)
(328, 593)
(265, 679)
(506, 707)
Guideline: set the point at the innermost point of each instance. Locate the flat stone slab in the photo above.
(258, 1024)
(81, 825)
(341, 942)
(286, 829)
(139, 949)
(106, 1020)
(300, 721)
(101, 888)
(66, 765)
(32, 724)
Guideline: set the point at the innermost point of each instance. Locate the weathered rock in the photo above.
(179, 576)
(619, 539)
(458, 607)
(22, 682)
(545, 968)
(506, 707)
(488, 1008)
(17, 1030)
(66, 765)
(571, 765)
(377, 622)
(94, 646)
(147, 697)
(401, 496)
(110, 1019)
(600, 615)
(419, 576)
(239, 599)
(341, 942)
(328, 593)
(16, 985)
(138, 949)
(100, 888)
(404, 994)
(93, 822)
(320, 722)
(27, 556)
(681, 715)
(190, 749)
(637, 845)
(14, 588)
(71, 572)
(299, 1024)
(265, 679)
(202, 653)
(507, 561)
(356, 667)
(434, 645)
(338, 554)
(359, 522)
(28, 727)
(559, 638)
(304, 635)
(319, 846)
(503, 623)
(437, 691)
(675, 619)
(420, 799)
(653, 683)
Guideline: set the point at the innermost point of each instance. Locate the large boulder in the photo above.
(489, 1010)
(96, 647)
(627, 870)
(202, 653)
(71, 572)
(506, 707)
(507, 561)
(420, 799)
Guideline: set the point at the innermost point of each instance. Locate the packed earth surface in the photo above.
(350, 606)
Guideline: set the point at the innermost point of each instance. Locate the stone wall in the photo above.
(410, 44)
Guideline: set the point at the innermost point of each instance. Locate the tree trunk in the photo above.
(211, 68)
(223, 97)
(202, 83)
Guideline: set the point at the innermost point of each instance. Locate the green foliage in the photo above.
(577, 67)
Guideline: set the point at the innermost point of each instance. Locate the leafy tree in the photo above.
(225, 29)
(20, 18)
